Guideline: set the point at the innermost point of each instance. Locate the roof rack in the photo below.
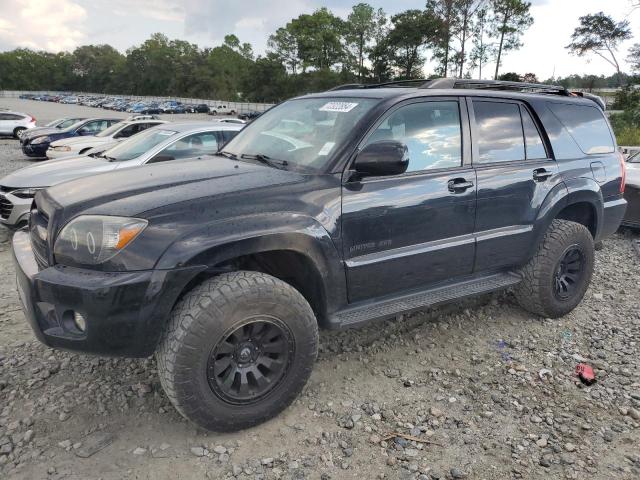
(448, 83)
(495, 85)
(395, 83)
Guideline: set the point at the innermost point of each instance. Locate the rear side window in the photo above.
(586, 125)
(499, 132)
(533, 140)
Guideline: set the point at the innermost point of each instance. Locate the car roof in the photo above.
(14, 112)
(188, 126)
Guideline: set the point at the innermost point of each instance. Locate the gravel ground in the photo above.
(479, 391)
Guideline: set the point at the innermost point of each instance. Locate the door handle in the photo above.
(540, 174)
(458, 185)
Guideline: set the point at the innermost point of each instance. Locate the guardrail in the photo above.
(238, 107)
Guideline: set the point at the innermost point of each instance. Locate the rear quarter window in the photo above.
(586, 125)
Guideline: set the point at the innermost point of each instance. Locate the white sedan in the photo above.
(117, 132)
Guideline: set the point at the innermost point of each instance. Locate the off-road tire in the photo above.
(198, 323)
(536, 292)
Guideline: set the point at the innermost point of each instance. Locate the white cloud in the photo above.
(41, 24)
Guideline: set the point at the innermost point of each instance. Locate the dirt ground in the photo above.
(479, 391)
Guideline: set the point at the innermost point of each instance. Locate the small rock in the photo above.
(65, 444)
(28, 436)
(436, 412)
(219, 449)
(198, 451)
(140, 451)
(457, 473)
(569, 447)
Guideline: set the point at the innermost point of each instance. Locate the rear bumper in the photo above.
(613, 213)
(124, 312)
(632, 215)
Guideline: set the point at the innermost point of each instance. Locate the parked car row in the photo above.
(123, 104)
(125, 144)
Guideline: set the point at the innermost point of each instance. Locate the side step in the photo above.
(389, 307)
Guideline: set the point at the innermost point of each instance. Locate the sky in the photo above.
(56, 25)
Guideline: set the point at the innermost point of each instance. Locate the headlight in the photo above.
(62, 148)
(40, 140)
(94, 239)
(25, 192)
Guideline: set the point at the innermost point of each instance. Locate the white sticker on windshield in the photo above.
(342, 107)
(326, 148)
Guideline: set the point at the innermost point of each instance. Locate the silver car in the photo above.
(14, 123)
(158, 144)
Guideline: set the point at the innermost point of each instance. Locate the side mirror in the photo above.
(386, 157)
(161, 158)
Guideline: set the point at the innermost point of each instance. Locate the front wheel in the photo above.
(18, 131)
(557, 277)
(237, 351)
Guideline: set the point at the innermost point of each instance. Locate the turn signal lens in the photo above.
(128, 233)
(623, 173)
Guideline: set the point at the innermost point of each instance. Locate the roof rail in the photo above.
(395, 83)
(496, 85)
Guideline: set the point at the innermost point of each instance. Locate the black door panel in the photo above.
(406, 232)
(513, 181)
(416, 229)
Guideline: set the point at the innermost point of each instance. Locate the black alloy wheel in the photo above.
(249, 362)
(569, 272)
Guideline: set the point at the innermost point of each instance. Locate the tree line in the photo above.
(312, 52)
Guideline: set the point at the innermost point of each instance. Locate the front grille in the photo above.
(6, 207)
(38, 231)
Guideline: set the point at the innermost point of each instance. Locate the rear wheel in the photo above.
(18, 131)
(237, 351)
(557, 277)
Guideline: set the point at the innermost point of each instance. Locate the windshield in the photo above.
(107, 132)
(75, 124)
(304, 133)
(137, 145)
(55, 123)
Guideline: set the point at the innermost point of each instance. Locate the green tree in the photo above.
(482, 50)
(99, 66)
(467, 12)
(509, 20)
(284, 44)
(380, 51)
(411, 31)
(510, 76)
(444, 11)
(600, 34)
(634, 58)
(359, 29)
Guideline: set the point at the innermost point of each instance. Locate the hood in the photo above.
(53, 172)
(132, 191)
(79, 140)
(36, 132)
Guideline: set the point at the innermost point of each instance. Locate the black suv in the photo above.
(329, 210)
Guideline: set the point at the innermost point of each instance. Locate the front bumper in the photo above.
(125, 312)
(14, 211)
(38, 150)
(52, 153)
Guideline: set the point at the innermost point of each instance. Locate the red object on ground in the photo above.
(585, 373)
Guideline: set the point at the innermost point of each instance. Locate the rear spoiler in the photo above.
(594, 98)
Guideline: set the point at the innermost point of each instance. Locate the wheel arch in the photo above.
(304, 257)
(579, 200)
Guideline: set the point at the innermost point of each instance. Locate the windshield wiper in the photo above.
(272, 162)
(230, 155)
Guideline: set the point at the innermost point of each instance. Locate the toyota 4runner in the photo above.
(330, 210)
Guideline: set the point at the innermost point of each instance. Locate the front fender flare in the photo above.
(224, 240)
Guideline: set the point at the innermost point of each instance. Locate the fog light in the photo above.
(79, 321)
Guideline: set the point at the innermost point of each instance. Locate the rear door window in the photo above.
(533, 140)
(499, 132)
(586, 125)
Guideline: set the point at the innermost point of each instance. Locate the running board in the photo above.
(390, 307)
